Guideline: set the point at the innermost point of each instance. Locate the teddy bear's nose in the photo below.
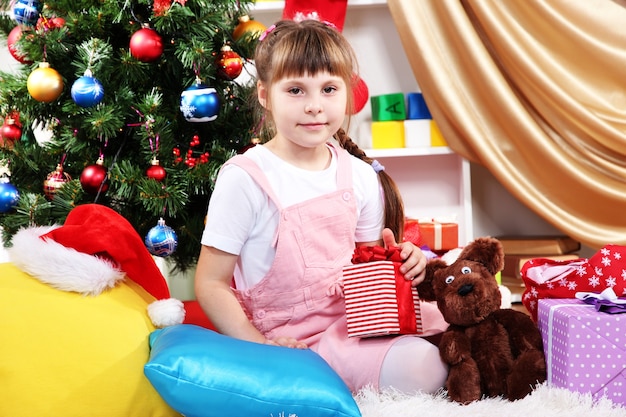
(465, 289)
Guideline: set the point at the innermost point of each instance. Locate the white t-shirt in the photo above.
(242, 220)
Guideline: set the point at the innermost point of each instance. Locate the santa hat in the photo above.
(333, 11)
(94, 249)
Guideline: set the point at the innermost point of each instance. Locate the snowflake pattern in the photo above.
(605, 269)
(594, 281)
(187, 108)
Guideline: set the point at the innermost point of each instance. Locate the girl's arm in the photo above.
(213, 279)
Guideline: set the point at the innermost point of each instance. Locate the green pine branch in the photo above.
(138, 119)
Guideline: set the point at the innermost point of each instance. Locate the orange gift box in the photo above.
(439, 235)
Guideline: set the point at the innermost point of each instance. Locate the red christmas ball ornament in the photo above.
(229, 63)
(10, 132)
(45, 84)
(156, 171)
(54, 181)
(12, 38)
(247, 26)
(146, 45)
(360, 94)
(94, 178)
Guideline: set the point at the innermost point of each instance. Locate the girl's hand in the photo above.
(414, 260)
(289, 342)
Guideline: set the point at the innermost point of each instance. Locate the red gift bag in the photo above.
(379, 301)
(547, 278)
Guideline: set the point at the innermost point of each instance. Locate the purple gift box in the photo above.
(585, 349)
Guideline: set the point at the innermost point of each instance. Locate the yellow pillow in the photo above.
(64, 354)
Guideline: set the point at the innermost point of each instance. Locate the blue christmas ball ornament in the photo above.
(199, 103)
(9, 196)
(161, 240)
(26, 12)
(87, 91)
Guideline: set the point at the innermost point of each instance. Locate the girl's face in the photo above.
(307, 110)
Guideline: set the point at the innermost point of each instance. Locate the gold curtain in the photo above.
(534, 90)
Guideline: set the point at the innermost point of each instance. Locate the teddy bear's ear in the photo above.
(425, 288)
(487, 251)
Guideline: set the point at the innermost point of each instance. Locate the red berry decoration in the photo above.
(10, 132)
(55, 180)
(229, 63)
(94, 178)
(156, 171)
(146, 45)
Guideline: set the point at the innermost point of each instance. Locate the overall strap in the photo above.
(344, 167)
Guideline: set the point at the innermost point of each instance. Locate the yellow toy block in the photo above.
(388, 134)
(436, 138)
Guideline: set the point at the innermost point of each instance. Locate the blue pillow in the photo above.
(201, 373)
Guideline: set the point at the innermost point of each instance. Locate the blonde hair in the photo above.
(291, 49)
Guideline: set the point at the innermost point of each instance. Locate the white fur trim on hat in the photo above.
(166, 312)
(61, 267)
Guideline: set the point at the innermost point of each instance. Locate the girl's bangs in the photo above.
(315, 59)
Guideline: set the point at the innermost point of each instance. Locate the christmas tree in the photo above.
(134, 104)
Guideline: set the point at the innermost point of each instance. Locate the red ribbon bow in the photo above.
(364, 254)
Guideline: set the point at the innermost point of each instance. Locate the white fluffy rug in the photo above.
(543, 402)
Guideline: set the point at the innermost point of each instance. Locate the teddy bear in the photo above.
(491, 351)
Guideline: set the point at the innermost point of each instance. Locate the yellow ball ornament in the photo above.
(248, 26)
(45, 84)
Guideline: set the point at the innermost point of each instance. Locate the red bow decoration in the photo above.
(363, 254)
(547, 278)
(160, 6)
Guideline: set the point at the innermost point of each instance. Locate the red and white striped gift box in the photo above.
(379, 301)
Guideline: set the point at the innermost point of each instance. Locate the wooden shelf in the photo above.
(403, 152)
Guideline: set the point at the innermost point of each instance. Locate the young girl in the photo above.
(285, 216)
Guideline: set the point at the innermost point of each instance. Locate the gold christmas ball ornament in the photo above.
(45, 84)
(248, 26)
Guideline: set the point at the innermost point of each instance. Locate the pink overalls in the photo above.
(301, 294)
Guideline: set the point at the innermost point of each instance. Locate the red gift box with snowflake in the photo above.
(379, 300)
(548, 278)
